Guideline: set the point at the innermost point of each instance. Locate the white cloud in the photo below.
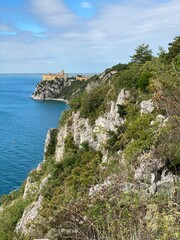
(54, 13)
(93, 44)
(85, 4)
(5, 28)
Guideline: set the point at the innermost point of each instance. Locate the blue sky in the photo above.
(81, 35)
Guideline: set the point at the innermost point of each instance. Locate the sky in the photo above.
(84, 36)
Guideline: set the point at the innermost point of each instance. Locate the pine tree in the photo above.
(143, 54)
(173, 50)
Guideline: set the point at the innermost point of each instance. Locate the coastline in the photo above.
(50, 99)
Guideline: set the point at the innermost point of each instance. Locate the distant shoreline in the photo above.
(51, 99)
(21, 74)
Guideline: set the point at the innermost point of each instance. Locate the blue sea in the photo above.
(23, 126)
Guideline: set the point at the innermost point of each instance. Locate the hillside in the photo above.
(112, 168)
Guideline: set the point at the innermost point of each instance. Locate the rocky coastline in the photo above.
(48, 99)
(111, 169)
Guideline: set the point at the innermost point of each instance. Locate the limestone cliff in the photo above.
(62, 89)
(150, 174)
(47, 90)
(110, 170)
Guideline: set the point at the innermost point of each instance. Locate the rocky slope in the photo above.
(149, 177)
(111, 170)
(46, 90)
(58, 89)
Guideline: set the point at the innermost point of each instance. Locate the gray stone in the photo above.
(147, 106)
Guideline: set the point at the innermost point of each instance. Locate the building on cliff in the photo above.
(81, 78)
(52, 76)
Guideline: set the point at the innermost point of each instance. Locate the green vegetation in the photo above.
(13, 207)
(143, 54)
(85, 198)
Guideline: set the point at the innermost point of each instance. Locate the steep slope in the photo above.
(59, 89)
(112, 168)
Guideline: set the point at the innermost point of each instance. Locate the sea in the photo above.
(24, 123)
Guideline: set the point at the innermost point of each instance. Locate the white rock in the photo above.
(30, 213)
(123, 96)
(62, 134)
(147, 106)
(96, 136)
(99, 187)
(30, 188)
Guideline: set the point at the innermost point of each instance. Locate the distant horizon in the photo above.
(39, 73)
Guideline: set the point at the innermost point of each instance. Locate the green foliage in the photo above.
(167, 146)
(127, 78)
(140, 135)
(65, 116)
(166, 86)
(76, 87)
(173, 50)
(75, 103)
(142, 55)
(122, 110)
(9, 218)
(52, 145)
(118, 67)
(77, 170)
(144, 80)
(91, 104)
(176, 63)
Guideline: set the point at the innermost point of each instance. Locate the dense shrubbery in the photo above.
(168, 147)
(91, 104)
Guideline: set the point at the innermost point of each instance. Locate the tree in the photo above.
(143, 54)
(173, 49)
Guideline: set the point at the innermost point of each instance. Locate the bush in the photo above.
(143, 81)
(140, 135)
(64, 116)
(122, 110)
(167, 146)
(52, 145)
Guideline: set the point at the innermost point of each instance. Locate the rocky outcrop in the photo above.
(33, 189)
(147, 106)
(51, 90)
(106, 76)
(25, 224)
(153, 176)
(30, 189)
(96, 135)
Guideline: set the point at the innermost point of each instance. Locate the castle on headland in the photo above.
(52, 76)
(63, 75)
(81, 78)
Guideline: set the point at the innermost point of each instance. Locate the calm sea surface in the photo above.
(23, 126)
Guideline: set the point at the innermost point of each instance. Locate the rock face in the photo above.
(147, 106)
(153, 176)
(95, 135)
(47, 90)
(33, 188)
(30, 213)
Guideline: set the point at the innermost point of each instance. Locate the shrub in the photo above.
(140, 135)
(122, 110)
(167, 146)
(65, 116)
(52, 145)
(143, 81)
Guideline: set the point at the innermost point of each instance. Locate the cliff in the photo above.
(111, 170)
(62, 89)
